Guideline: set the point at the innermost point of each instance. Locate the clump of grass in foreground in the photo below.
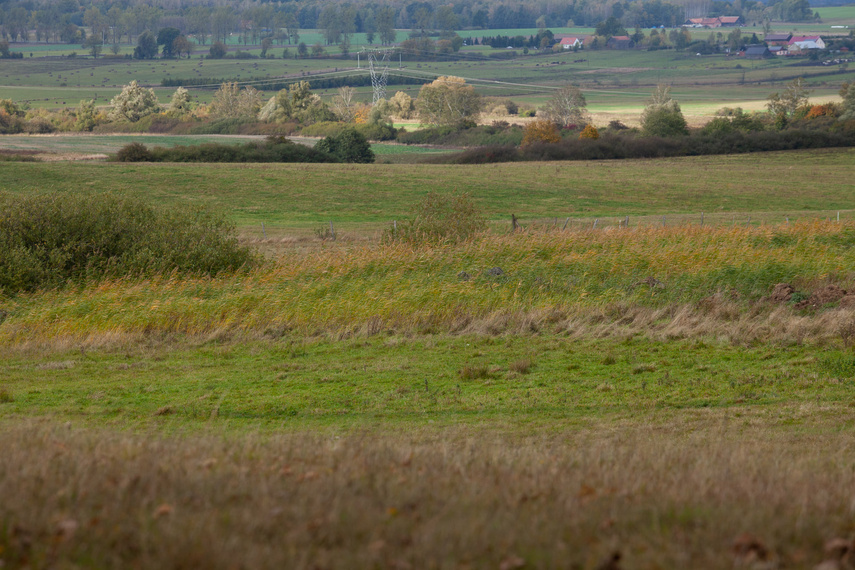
(48, 240)
(427, 499)
(713, 282)
(440, 219)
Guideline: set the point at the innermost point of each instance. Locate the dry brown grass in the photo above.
(664, 494)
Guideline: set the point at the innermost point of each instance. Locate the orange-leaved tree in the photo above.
(589, 132)
(540, 131)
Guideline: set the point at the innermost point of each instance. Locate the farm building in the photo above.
(757, 52)
(619, 42)
(571, 42)
(806, 42)
(777, 39)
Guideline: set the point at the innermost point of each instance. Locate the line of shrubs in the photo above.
(274, 149)
(622, 146)
(346, 146)
(51, 240)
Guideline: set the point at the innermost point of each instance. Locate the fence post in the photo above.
(626, 222)
(663, 221)
(595, 224)
(702, 218)
(332, 231)
(514, 224)
(567, 221)
(263, 233)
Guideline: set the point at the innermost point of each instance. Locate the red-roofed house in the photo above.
(570, 42)
(729, 21)
(806, 42)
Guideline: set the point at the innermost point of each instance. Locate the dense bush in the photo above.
(274, 149)
(49, 240)
(134, 152)
(474, 136)
(347, 146)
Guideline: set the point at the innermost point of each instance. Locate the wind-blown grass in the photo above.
(558, 280)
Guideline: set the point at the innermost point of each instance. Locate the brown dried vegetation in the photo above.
(662, 495)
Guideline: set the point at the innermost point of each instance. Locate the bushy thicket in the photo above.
(273, 149)
(52, 239)
(371, 131)
(472, 136)
(619, 146)
(347, 146)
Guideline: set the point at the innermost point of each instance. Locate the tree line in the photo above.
(113, 23)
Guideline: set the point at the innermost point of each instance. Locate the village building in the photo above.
(806, 42)
(571, 42)
(757, 52)
(620, 42)
(777, 39)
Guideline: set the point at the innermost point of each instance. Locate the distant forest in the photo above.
(115, 22)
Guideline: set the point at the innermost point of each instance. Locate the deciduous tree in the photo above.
(448, 101)
(134, 103)
(567, 107)
(662, 116)
(540, 131)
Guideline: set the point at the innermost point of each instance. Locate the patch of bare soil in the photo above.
(68, 156)
(782, 292)
(820, 297)
(615, 70)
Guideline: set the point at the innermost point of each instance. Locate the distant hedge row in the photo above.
(619, 146)
(273, 149)
(267, 84)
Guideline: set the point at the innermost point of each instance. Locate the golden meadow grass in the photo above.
(714, 490)
(561, 280)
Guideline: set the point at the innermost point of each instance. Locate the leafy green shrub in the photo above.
(323, 129)
(51, 239)
(347, 146)
(134, 152)
(474, 136)
(440, 218)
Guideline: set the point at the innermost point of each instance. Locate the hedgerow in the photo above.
(621, 146)
(273, 149)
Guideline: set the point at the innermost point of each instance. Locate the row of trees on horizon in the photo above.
(115, 22)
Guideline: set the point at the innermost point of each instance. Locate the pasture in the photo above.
(618, 384)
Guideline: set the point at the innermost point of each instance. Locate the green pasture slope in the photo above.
(304, 195)
(520, 382)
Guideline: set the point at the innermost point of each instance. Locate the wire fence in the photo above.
(332, 231)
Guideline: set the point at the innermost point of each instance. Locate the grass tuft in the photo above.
(474, 372)
(522, 366)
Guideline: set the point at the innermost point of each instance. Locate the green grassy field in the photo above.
(613, 392)
(295, 196)
(629, 393)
